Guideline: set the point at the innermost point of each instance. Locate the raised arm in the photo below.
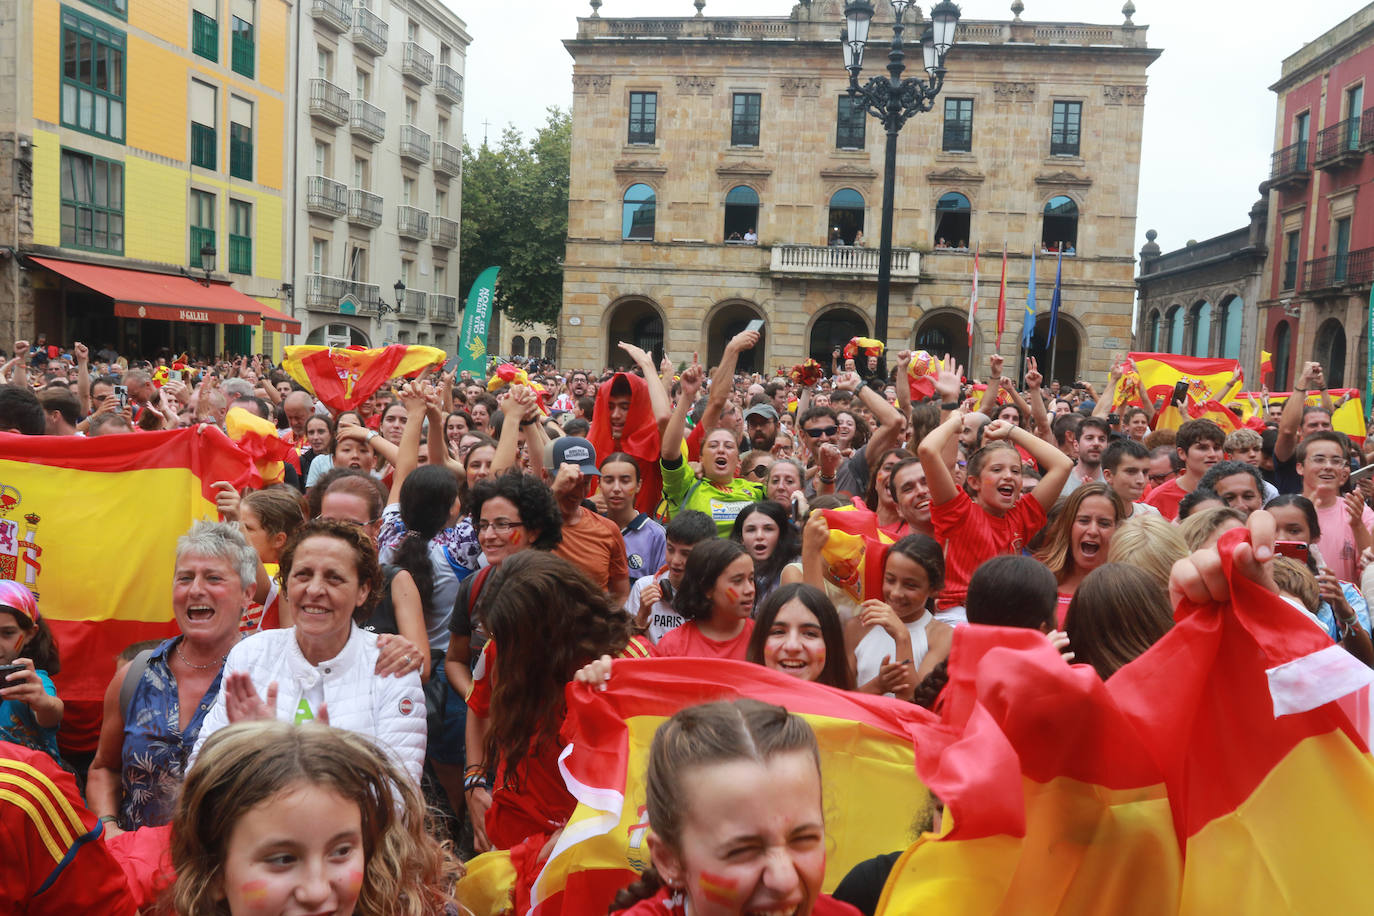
(888, 417)
(948, 385)
(1103, 406)
(20, 375)
(989, 404)
(1034, 381)
(658, 395)
(1056, 464)
(1290, 421)
(723, 376)
(83, 376)
(931, 451)
(408, 452)
(902, 384)
(513, 410)
(671, 450)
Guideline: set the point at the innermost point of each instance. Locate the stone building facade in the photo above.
(1199, 299)
(689, 131)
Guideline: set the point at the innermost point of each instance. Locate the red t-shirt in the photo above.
(687, 641)
(971, 535)
(594, 545)
(1166, 498)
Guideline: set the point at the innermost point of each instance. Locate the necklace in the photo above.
(190, 664)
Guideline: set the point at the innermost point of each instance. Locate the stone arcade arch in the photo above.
(635, 319)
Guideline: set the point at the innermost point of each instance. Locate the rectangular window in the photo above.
(1354, 108)
(1301, 127)
(362, 85)
(360, 173)
(412, 109)
(1065, 129)
(1290, 260)
(407, 191)
(958, 126)
(441, 132)
(440, 280)
(119, 8)
(1342, 248)
(202, 224)
(240, 237)
(203, 143)
(440, 202)
(850, 122)
(92, 202)
(744, 122)
(643, 117)
(357, 264)
(323, 164)
(92, 77)
(319, 255)
(243, 50)
(324, 63)
(240, 138)
(204, 35)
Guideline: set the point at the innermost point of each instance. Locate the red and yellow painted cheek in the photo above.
(516, 536)
(719, 889)
(254, 893)
(355, 882)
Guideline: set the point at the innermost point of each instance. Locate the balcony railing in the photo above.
(415, 304)
(443, 309)
(1367, 129)
(364, 208)
(448, 85)
(1353, 269)
(367, 295)
(323, 293)
(415, 144)
(448, 159)
(323, 195)
(443, 233)
(417, 63)
(369, 31)
(1289, 166)
(841, 259)
(412, 223)
(367, 121)
(1339, 145)
(328, 102)
(333, 14)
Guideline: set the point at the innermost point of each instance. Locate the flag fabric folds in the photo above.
(1348, 418)
(1159, 372)
(90, 525)
(1028, 322)
(973, 299)
(921, 374)
(1002, 301)
(1055, 300)
(1266, 368)
(872, 794)
(344, 378)
(258, 438)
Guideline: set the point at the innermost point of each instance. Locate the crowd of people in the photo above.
(335, 680)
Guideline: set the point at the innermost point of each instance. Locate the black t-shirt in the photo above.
(863, 886)
(1284, 476)
(462, 622)
(383, 617)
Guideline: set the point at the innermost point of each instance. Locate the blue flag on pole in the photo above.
(1054, 300)
(1028, 326)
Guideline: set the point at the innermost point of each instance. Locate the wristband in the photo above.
(109, 819)
(475, 782)
(952, 405)
(524, 423)
(830, 479)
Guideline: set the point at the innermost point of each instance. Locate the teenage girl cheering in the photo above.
(716, 599)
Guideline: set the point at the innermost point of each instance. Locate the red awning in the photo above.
(274, 320)
(166, 297)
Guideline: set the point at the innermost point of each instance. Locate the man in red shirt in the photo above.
(1199, 444)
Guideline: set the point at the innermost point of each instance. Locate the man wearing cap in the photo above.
(590, 542)
(762, 422)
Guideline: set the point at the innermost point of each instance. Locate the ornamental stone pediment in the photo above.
(742, 169)
(849, 173)
(641, 167)
(1064, 180)
(954, 175)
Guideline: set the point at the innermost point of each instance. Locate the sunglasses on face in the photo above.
(819, 431)
(760, 469)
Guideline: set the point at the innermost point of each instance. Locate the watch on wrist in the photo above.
(371, 434)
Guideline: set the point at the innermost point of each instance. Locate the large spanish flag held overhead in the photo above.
(344, 378)
(1347, 418)
(90, 525)
(1153, 376)
(872, 793)
(1226, 770)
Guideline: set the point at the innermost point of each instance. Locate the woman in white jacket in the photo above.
(323, 668)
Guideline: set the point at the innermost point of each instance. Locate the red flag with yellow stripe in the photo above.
(344, 378)
(1348, 418)
(90, 525)
(1159, 372)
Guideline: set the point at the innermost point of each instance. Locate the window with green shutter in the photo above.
(92, 76)
(203, 143)
(202, 224)
(204, 36)
(240, 237)
(241, 47)
(241, 151)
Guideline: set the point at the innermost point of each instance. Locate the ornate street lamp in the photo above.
(207, 261)
(384, 307)
(893, 100)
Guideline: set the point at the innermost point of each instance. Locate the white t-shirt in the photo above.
(662, 618)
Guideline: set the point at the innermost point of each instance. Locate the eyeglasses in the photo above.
(822, 431)
(500, 525)
(760, 469)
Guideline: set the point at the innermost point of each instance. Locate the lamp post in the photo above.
(207, 261)
(893, 100)
(383, 307)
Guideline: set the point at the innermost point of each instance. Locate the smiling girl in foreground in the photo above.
(278, 819)
(716, 599)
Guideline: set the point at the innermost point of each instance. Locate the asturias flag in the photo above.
(344, 378)
(1028, 324)
(91, 525)
(1055, 300)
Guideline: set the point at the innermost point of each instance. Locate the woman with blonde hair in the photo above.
(1202, 529)
(277, 817)
(1148, 543)
(1116, 614)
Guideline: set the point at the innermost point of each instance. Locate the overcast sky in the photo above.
(1209, 115)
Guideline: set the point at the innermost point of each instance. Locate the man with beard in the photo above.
(762, 423)
(1093, 435)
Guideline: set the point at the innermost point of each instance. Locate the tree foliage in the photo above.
(515, 216)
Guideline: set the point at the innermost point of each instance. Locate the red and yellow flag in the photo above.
(1159, 372)
(872, 794)
(1349, 418)
(344, 378)
(90, 525)
(855, 550)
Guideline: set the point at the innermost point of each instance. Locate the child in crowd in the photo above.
(30, 709)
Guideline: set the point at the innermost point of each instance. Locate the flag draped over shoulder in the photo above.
(1227, 769)
(872, 794)
(344, 378)
(90, 525)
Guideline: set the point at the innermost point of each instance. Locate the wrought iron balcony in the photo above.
(443, 309)
(415, 304)
(412, 223)
(1338, 146)
(325, 196)
(841, 260)
(448, 159)
(364, 208)
(415, 144)
(367, 121)
(417, 63)
(369, 31)
(323, 293)
(1367, 130)
(328, 102)
(443, 233)
(1290, 166)
(332, 14)
(1337, 272)
(448, 85)
(367, 295)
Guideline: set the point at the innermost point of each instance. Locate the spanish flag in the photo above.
(90, 526)
(344, 378)
(855, 550)
(1226, 770)
(1159, 372)
(1348, 418)
(872, 794)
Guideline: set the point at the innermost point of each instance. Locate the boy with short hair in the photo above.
(651, 597)
(1199, 444)
(1126, 469)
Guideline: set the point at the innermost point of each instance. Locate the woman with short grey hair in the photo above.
(156, 704)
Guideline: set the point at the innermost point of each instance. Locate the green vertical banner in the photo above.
(1369, 354)
(476, 319)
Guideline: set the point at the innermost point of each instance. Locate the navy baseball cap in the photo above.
(575, 450)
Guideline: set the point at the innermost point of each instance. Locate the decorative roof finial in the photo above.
(1128, 11)
(596, 8)
(1016, 7)
(700, 5)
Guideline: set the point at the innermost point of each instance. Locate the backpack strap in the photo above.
(132, 675)
(479, 579)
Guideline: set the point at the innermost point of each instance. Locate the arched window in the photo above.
(1283, 345)
(1330, 351)
(1153, 338)
(1173, 330)
(1060, 224)
(741, 214)
(536, 348)
(551, 348)
(517, 346)
(637, 214)
(846, 216)
(953, 219)
(1201, 334)
(1231, 315)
